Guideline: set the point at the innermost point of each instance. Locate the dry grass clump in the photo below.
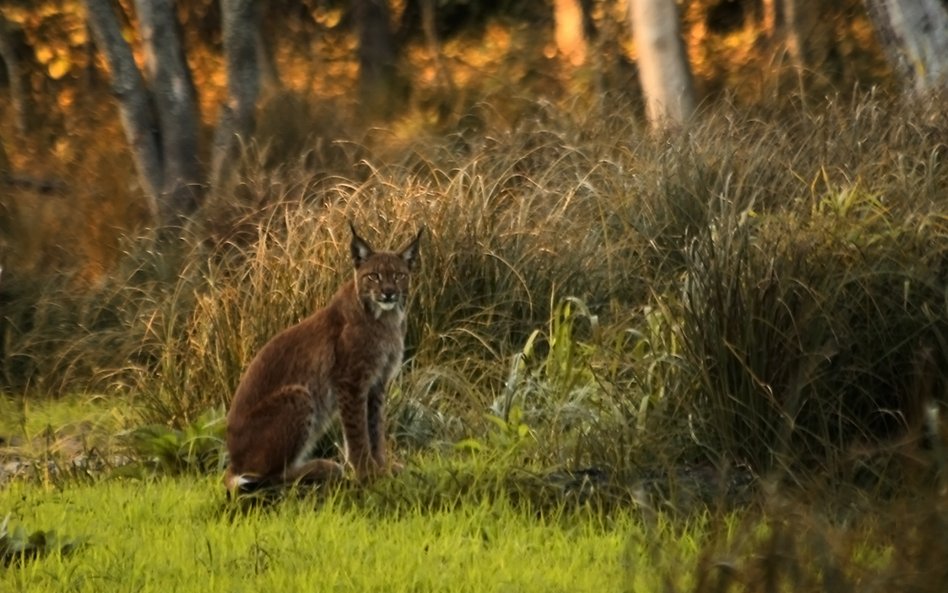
(759, 290)
(817, 321)
(895, 546)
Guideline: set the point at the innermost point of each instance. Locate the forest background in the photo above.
(685, 279)
(413, 68)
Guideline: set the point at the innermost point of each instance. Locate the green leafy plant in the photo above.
(553, 366)
(506, 438)
(198, 447)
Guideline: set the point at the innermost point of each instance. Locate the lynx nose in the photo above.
(388, 295)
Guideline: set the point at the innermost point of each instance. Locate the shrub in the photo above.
(761, 289)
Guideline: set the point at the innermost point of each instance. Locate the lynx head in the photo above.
(382, 278)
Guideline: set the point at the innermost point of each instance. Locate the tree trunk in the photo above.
(160, 116)
(161, 123)
(430, 27)
(570, 31)
(134, 100)
(242, 41)
(771, 17)
(269, 73)
(914, 35)
(4, 163)
(175, 102)
(807, 33)
(10, 44)
(663, 66)
(377, 74)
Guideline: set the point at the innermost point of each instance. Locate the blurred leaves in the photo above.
(56, 32)
(198, 447)
(20, 544)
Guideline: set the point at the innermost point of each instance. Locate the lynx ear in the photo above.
(410, 252)
(360, 249)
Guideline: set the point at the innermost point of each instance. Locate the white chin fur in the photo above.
(378, 308)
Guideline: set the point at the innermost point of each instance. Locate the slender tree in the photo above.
(914, 35)
(378, 76)
(806, 33)
(663, 65)
(570, 31)
(134, 102)
(801, 29)
(158, 107)
(175, 103)
(10, 53)
(244, 55)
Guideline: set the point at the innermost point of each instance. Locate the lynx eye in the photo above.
(401, 276)
(373, 277)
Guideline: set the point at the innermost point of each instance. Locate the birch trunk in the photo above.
(663, 66)
(914, 35)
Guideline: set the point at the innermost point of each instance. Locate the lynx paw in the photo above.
(240, 483)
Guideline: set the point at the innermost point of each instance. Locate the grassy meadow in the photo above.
(186, 539)
(709, 361)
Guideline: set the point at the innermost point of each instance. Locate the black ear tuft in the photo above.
(410, 252)
(361, 250)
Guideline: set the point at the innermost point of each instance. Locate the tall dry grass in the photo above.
(766, 289)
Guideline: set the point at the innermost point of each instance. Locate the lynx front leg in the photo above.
(377, 432)
(353, 412)
(376, 416)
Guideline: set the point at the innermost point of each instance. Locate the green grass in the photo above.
(52, 439)
(179, 535)
(29, 418)
(484, 516)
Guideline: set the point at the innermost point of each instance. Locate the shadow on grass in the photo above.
(439, 487)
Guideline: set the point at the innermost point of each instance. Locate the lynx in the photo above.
(340, 358)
